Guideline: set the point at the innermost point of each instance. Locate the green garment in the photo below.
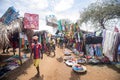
(40, 38)
(59, 25)
(46, 39)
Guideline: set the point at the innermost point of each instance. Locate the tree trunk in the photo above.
(102, 24)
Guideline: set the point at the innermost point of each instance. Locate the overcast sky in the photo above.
(60, 8)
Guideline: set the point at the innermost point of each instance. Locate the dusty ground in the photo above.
(53, 68)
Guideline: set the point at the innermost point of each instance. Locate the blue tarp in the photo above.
(9, 15)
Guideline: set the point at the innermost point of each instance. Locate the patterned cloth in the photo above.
(31, 21)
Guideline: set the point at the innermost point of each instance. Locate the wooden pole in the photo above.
(20, 50)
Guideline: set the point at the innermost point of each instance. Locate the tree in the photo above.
(100, 12)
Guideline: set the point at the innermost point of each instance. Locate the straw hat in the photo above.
(35, 37)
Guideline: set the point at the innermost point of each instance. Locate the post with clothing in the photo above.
(36, 52)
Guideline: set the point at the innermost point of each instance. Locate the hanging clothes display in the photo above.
(118, 53)
(22, 40)
(94, 50)
(117, 43)
(91, 50)
(98, 50)
(111, 41)
(40, 38)
(26, 39)
(60, 25)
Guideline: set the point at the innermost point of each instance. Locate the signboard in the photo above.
(31, 21)
(51, 20)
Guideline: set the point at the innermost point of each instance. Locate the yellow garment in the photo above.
(36, 62)
(51, 43)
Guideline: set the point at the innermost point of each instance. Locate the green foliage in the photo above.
(100, 12)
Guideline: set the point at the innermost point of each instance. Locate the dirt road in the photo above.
(53, 68)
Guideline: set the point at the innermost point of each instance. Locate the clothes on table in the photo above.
(94, 50)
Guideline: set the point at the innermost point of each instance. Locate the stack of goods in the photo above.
(11, 64)
(67, 53)
(93, 61)
(71, 62)
(3, 69)
(105, 60)
(75, 62)
(76, 52)
(88, 57)
(81, 61)
(79, 68)
(68, 58)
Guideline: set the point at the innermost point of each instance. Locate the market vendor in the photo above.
(36, 51)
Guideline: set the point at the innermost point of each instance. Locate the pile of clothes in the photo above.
(11, 64)
(75, 63)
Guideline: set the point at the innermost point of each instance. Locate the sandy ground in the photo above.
(53, 68)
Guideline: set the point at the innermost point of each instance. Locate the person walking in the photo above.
(36, 51)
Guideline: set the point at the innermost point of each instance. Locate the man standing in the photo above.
(36, 51)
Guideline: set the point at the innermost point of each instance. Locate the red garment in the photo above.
(116, 29)
(36, 50)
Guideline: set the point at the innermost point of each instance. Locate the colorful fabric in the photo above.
(98, 51)
(59, 25)
(36, 50)
(36, 62)
(40, 38)
(9, 15)
(119, 48)
(31, 21)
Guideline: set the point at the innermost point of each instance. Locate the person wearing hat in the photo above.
(36, 51)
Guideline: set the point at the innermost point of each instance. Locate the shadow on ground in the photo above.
(76, 76)
(4, 56)
(60, 59)
(12, 75)
(114, 68)
(37, 78)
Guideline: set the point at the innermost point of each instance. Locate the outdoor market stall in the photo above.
(10, 25)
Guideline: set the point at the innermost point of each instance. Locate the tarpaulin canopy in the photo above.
(9, 15)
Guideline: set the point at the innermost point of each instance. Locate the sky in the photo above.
(62, 9)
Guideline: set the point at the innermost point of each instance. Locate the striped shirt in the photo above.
(36, 50)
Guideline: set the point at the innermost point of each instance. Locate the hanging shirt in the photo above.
(119, 49)
(25, 37)
(78, 37)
